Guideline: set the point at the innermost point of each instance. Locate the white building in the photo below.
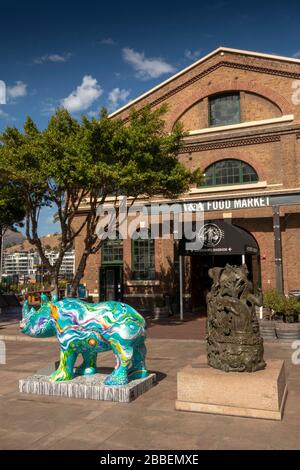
(27, 264)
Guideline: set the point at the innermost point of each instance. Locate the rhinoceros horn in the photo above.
(25, 308)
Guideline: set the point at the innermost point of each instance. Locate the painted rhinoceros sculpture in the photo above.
(87, 329)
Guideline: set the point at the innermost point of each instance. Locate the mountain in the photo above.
(49, 241)
(12, 238)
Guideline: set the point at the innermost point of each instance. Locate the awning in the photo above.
(220, 237)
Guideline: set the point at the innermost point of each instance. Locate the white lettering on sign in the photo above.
(227, 204)
(193, 206)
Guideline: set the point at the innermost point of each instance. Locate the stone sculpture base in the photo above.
(87, 387)
(258, 394)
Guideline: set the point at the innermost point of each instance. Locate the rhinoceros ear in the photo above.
(54, 298)
(44, 299)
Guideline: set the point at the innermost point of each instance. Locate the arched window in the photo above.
(143, 258)
(112, 251)
(224, 109)
(226, 172)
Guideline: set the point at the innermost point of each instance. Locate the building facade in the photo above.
(242, 113)
(27, 265)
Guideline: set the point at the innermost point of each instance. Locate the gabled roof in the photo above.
(219, 50)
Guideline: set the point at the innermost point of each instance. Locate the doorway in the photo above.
(201, 282)
(111, 283)
(111, 270)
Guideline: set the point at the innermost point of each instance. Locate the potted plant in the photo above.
(289, 330)
(272, 308)
(160, 310)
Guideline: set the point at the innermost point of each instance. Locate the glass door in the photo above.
(111, 283)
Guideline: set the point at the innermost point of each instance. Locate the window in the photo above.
(112, 252)
(224, 109)
(143, 259)
(229, 172)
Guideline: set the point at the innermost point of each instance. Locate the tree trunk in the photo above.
(79, 274)
(54, 283)
(1, 252)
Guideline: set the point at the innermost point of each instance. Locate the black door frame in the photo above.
(118, 286)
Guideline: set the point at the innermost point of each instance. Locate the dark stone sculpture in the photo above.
(233, 338)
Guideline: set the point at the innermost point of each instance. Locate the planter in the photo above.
(293, 318)
(287, 331)
(266, 313)
(267, 329)
(160, 313)
(278, 317)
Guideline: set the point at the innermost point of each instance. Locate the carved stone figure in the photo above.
(233, 339)
(87, 329)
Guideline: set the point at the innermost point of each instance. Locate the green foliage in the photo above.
(71, 162)
(272, 299)
(288, 306)
(291, 309)
(9, 288)
(12, 210)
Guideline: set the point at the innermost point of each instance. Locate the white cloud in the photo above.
(48, 107)
(83, 96)
(93, 114)
(2, 92)
(192, 55)
(49, 220)
(52, 58)
(117, 96)
(6, 116)
(18, 90)
(3, 114)
(146, 68)
(107, 41)
(297, 55)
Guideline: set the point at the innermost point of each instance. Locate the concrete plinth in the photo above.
(260, 394)
(87, 387)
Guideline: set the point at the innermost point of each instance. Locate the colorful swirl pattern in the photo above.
(88, 329)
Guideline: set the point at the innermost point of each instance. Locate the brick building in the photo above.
(242, 112)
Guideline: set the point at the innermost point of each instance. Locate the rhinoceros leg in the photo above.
(138, 367)
(66, 366)
(123, 355)
(89, 365)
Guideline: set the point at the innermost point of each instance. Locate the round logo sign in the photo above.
(210, 235)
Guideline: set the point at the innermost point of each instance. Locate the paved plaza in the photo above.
(150, 422)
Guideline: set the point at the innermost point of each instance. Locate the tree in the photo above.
(71, 163)
(12, 210)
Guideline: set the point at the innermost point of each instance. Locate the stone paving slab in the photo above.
(29, 421)
(87, 387)
(192, 327)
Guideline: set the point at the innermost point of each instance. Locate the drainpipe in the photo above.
(181, 286)
(278, 249)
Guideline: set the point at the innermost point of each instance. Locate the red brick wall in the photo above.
(232, 71)
(266, 92)
(253, 108)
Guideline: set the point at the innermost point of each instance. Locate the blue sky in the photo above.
(85, 55)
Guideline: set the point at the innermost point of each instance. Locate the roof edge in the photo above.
(199, 61)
